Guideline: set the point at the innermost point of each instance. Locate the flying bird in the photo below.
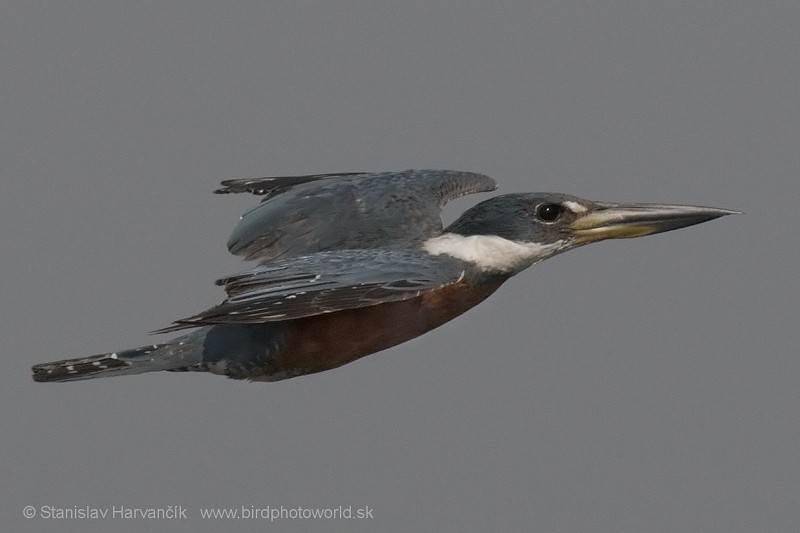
(352, 264)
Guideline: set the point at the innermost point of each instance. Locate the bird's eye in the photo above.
(549, 212)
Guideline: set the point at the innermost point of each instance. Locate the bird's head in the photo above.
(510, 232)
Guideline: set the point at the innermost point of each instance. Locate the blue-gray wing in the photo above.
(301, 215)
(326, 282)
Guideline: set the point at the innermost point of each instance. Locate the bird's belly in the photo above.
(326, 341)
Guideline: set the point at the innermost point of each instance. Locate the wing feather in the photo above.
(301, 215)
(325, 282)
(270, 186)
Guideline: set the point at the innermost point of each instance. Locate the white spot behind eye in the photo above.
(575, 207)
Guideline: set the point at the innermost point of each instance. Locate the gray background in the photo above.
(647, 385)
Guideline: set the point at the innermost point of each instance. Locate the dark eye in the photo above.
(549, 212)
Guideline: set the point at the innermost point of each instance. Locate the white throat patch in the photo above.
(490, 252)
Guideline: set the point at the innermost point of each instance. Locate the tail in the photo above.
(179, 354)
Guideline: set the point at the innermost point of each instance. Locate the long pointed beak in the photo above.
(625, 221)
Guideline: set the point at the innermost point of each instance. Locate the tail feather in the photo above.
(155, 357)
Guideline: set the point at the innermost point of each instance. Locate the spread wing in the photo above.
(326, 282)
(301, 215)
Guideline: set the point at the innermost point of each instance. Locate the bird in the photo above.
(351, 264)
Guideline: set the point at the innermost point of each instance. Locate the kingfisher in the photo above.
(351, 264)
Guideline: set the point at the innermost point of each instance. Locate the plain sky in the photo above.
(643, 385)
